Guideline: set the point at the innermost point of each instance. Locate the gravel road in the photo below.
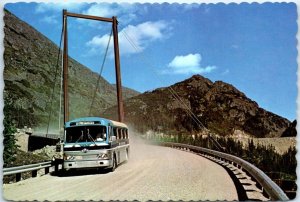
(152, 173)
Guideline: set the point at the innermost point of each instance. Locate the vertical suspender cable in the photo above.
(61, 83)
(60, 101)
(54, 81)
(100, 73)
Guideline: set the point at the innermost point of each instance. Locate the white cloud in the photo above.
(99, 41)
(235, 46)
(124, 11)
(71, 6)
(225, 72)
(50, 19)
(187, 64)
(204, 8)
(104, 10)
(133, 39)
(191, 6)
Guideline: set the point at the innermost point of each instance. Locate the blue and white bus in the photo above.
(94, 142)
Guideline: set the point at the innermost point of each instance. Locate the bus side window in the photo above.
(126, 132)
(115, 133)
(120, 133)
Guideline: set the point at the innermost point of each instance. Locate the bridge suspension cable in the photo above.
(170, 89)
(54, 82)
(176, 96)
(61, 92)
(100, 72)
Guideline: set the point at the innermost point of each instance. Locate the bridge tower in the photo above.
(114, 22)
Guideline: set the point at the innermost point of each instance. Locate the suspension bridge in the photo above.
(154, 172)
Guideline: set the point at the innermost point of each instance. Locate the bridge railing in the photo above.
(269, 187)
(49, 135)
(30, 167)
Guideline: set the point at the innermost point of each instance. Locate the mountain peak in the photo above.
(197, 80)
(219, 106)
(221, 87)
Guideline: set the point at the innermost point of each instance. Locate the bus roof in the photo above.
(87, 120)
(119, 124)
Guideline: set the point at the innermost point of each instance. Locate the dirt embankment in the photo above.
(281, 144)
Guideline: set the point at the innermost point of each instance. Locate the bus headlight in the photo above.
(102, 156)
(69, 157)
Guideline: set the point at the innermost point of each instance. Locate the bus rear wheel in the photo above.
(127, 154)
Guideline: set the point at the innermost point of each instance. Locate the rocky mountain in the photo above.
(218, 106)
(30, 70)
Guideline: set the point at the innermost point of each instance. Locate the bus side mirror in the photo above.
(58, 147)
(113, 138)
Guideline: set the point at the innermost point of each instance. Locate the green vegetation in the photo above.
(9, 142)
(12, 156)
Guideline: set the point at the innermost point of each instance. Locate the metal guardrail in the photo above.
(31, 167)
(25, 168)
(50, 136)
(269, 187)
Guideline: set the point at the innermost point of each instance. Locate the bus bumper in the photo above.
(87, 164)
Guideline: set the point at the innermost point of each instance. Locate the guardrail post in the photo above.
(56, 167)
(18, 177)
(258, 185)
(34, 173)
(46, 170)
(265, 193)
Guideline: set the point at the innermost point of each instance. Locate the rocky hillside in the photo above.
(219, 106)
(128, 92)
(29, 73)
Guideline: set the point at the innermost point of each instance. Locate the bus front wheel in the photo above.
(114, 166)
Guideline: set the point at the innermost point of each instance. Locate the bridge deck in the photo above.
(153, 172)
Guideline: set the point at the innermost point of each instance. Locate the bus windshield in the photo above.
(86, 134)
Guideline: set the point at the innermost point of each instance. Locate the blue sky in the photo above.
(251, 46)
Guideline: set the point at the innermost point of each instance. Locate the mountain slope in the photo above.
(128, 92)
(30, 70)
(219, 106)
